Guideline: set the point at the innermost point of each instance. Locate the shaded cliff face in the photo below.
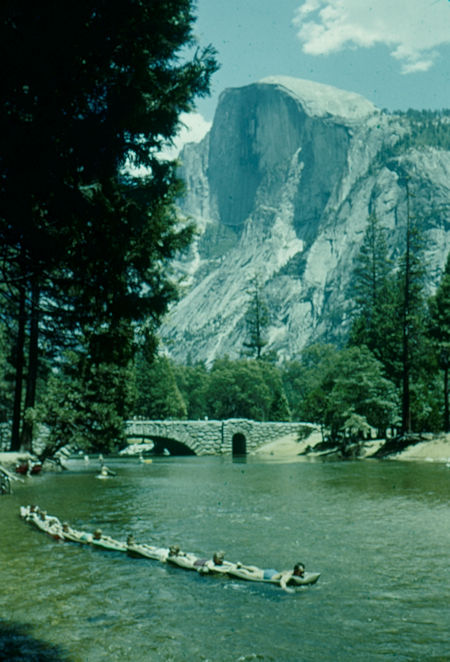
(282, 187)
(260, 134)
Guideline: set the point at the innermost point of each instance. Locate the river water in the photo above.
(379, 532)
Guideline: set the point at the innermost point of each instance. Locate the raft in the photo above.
(106, 542)
(141, 550)
(53, 527)
(73, 535)
(242, 573)
(50, 525)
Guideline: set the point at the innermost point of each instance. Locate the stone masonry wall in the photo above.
(213, 437)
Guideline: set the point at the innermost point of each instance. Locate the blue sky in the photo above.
(396, 53)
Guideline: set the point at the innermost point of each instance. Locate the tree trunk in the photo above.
(446, 407)
(19, 359)
(406, 405)
(30, 397)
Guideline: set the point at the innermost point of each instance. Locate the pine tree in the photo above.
(372, 267)
(390, 303)
(373, 294)
(412, 305)
(439, 308)
(257, 320)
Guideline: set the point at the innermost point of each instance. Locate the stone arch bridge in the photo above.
(237, 436)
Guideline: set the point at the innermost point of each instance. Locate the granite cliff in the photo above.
(282, 187)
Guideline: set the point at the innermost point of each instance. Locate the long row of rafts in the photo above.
(52, 526)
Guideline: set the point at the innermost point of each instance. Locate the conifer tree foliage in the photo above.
(5, 388)
(88, 87)
(373, 266)
(257, 320)
(411, 277)
(359, 387)
(376, 299)
(372, 275)
(440, 332)
(304, 381)
(390, 307)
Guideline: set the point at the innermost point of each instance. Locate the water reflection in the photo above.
(239, 459)
(16, 643)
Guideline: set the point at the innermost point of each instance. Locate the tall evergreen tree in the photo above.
(390, 303)
(5, 395)
(372, 268)
(257, 320)
(412, 304)
(88, 87)
(440, 332)
(374, 294)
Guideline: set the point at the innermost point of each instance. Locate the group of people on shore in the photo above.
(286, 579)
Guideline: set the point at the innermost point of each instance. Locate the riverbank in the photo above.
(9, 460)
(288, 447)
(434, 448)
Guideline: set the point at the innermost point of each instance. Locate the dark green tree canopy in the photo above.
(439, 326)
(87, 88)
(440, 312)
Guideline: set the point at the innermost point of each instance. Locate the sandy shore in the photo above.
(287, 448)
(11, 459)
(437, 449)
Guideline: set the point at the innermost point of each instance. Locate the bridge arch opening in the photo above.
(239, 444)
(171, 445)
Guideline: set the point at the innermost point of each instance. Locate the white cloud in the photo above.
(413, 29)
(193, 127)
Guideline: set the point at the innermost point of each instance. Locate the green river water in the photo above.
(379, 533)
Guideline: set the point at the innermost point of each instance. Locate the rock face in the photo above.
(281, 188)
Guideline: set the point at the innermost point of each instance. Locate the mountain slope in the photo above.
(282, 187)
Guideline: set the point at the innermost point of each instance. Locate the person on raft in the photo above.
(202, 565)
(183, 559)
(217, 565)
(289, 577)
(285, 578)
